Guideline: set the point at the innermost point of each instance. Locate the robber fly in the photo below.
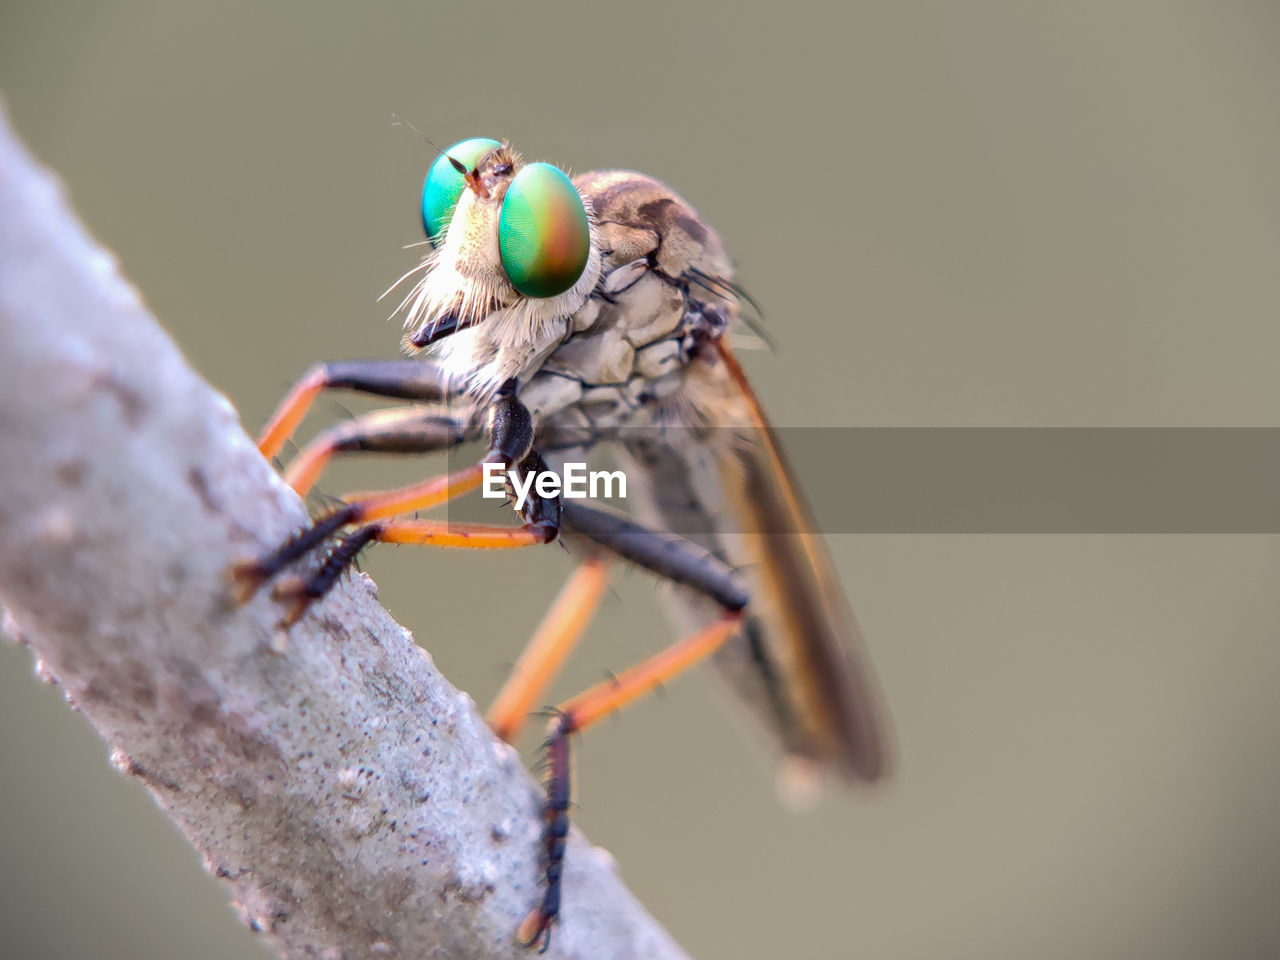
(557, 316)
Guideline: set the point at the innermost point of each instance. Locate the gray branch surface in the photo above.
(352, 801)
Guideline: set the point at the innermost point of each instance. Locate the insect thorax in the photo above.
(624, 361)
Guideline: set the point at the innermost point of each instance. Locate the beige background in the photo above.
(955, 214)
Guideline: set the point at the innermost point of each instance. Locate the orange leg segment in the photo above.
(249, 575)
(551, 645)
(576, 715)
(416, 496)
(399, 430)
(293, 408)
(298, 593)
(475, 536)
(407, 379)
(307, 466)
(614, 694)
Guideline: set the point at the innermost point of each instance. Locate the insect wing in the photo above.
(799, 605)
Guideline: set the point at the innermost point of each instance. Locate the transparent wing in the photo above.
(804, 617)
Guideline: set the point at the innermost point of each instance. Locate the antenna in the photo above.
(398, 122)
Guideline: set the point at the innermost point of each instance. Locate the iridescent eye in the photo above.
(444, 184)
(542, 232)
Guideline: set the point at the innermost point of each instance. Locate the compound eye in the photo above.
(444, 184)
(542, 232)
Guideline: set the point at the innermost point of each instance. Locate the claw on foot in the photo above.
(247, 578)
(536, 926)
(296, 596)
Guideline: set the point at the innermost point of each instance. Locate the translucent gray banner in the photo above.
(969, 480)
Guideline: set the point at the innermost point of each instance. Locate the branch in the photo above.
(352, 801)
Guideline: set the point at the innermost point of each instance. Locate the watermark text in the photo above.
(576, 483)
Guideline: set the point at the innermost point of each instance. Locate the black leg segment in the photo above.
(668, 555)
(410, 378)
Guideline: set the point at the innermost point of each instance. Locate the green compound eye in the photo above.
(444, 184)
(542, 232)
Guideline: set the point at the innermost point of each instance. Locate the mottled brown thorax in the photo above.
(626, 355)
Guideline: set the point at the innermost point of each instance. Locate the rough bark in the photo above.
(353, 802)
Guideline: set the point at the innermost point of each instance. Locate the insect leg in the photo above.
(409, 379)
(394, 430)
(511, 441)
(551, 645)
(672, 558)
(249, 575)
(608, 696)
(574, 716)
(668, 555)
(542, 523)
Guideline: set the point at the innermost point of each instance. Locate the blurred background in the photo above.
(955, 215)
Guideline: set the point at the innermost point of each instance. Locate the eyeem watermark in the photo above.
(577, 483)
